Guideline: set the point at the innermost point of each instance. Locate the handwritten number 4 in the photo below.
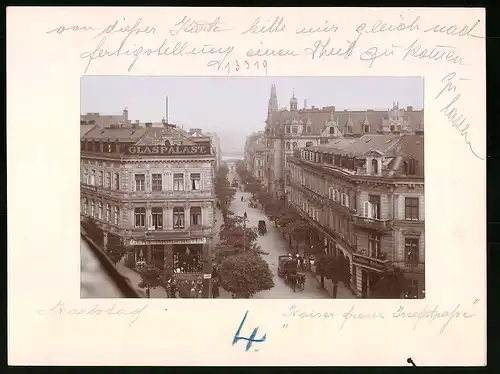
(250, 340)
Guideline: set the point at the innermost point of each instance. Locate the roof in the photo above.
(319, 118)
(360, 146)
(123, 134)
(85, 129)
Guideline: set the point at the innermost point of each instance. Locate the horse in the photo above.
(291, 278)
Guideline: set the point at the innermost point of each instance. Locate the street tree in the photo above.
(245, 274)
(391, 285)
(336, 268)
(115, 248)
(151, 277)
(298, 230)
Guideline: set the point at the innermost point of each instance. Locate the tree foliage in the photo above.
(245, 274)
(151, 277)
(391, 285)
(115, 249)
(336, 268)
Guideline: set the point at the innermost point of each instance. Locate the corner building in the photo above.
(364, 199)
(152, 189)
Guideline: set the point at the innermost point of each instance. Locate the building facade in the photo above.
(255, 150)
(290, 128)
(152, 188)
(364, 199)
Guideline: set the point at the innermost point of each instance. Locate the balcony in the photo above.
(189, 194)
(308, 192)
(369, 262)
(373, 224)
(117, 194)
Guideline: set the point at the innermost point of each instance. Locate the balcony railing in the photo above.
(372, 223)
(372, 262)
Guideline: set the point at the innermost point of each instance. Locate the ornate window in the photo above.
(178, 217)
(140, 217)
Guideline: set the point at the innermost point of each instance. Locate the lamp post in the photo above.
(244, 230)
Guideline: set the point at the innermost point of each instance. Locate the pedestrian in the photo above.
(301, 262)
(215, 289)
(173, 290)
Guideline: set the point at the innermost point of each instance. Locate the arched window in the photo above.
(294, 144)
(287, 146)
(332, 130)
(392, 128)
(375, 166)
(309, 144)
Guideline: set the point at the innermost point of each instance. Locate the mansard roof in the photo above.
(355, 118)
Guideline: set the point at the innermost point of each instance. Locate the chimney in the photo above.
(409, 109)
(305, 103)
(137, 122)
(125, 115)
(166, 109)
(149, 124)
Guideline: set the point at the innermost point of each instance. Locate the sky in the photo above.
(234, 107)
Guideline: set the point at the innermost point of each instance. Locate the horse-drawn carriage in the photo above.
(287, 268)
(252, 203)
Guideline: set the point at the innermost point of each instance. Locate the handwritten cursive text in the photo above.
(277, 25)
(189, 25)
(450, 111)
(62, 309)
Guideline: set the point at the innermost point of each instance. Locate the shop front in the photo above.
(188, 261)
(366, 273)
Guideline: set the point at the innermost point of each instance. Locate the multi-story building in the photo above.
(255, 155)
(214, 141)
(153, 189)
(364, 199)
(287, 129)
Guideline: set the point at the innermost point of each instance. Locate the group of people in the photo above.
(303, 262)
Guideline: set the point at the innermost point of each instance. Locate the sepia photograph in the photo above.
(252, 187)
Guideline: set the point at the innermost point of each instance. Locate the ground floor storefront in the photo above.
(186, 262)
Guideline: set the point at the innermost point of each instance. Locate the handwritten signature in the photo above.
(452, 114)
(250, 340)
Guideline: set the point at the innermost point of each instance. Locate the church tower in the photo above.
(293, 102)
(273, 101)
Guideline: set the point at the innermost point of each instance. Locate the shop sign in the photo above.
(369, 262)
(169, 150)
(88, 188)
(169, 241)
(187, 276)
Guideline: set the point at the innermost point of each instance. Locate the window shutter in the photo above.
(366, 208)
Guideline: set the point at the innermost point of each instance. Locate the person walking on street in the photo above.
(215, 289)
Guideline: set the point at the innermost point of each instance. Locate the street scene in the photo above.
(317, 202)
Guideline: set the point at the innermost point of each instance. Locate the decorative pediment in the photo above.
(373, 153)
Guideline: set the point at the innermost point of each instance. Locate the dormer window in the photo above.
(392, 128)
(349, 129)
(411, 167)
(367, 128)
(308, 128)
(294, 129)
(375, 166)
(287, 129)
(332, 130)
(398, 128)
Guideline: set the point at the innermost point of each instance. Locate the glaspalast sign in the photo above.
(169, 150)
